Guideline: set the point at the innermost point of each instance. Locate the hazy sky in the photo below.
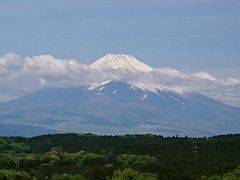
(189, 35)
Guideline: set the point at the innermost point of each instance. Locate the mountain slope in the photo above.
(118, 108)
(7, 129)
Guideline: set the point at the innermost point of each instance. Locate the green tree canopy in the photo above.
(130, 174)
(14, 175)
(7, 162)
(67, 177)
(131, 160)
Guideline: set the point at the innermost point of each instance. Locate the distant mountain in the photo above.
(23, 130)
(118, 108)
(110, 106)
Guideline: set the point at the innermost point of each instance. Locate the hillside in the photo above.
(121, 108)
(100, 157)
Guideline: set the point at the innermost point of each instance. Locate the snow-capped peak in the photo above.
(155, 88)
(120, 61)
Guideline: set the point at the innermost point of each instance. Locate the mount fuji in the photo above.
(120, 107)
(120, 61)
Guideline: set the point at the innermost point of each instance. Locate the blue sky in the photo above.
(189, 35)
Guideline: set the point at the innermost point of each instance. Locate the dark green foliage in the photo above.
(7, 162)
(234, 175)
(99, 173)
(28, 161)
(73, 156)
(136, 161)
(14, 175)
(12, 144)
(67, 177)
(130, 174)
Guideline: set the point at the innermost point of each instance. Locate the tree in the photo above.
(14, 175)
(85, 158)
(67, 177)
(50, 157)
(235, 175)
(131, 160)
(19, 147)
(28, 161)
(7, 162)
(99, 172)
(130, 174)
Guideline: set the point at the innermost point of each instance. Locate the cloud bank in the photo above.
(19, 76)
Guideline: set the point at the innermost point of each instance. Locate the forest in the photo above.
(125, 157)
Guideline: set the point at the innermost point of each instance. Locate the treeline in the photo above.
(140, 157)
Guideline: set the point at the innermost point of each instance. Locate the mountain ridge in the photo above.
(117, 108)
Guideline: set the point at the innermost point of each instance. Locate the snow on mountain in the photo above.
(132, 65)
(146, 87)
(95, 85)
(157, 87)
(120, 61)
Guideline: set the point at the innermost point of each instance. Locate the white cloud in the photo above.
(170, 72)
(204, 75)
(19, 76)
(9, 63)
